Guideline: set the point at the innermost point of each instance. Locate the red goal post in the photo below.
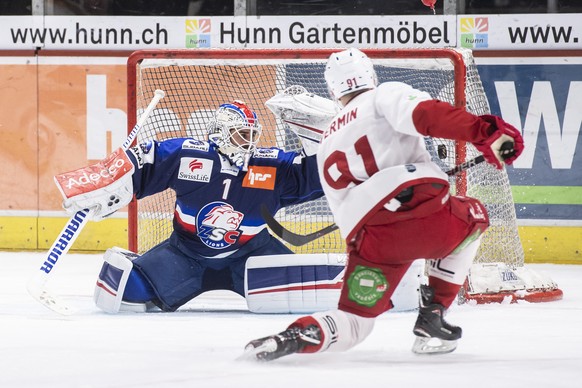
(197, 81)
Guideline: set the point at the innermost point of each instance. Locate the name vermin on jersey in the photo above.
(341, 121)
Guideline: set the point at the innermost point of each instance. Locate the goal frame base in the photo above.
(501, 283)
(532, 296)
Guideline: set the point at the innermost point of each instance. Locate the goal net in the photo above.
(196, 82)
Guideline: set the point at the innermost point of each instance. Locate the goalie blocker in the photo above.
(293, 283)
(103, 187)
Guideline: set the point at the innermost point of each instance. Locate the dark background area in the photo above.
(283, 7)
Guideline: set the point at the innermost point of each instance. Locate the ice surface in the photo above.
(518, 345)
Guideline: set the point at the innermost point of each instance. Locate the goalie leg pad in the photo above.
(405, 296)
(307, 283)
(293, 283)
(112, 279)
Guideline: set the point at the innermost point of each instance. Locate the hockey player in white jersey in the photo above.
(392, 205)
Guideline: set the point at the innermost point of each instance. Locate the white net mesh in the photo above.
(195, 86)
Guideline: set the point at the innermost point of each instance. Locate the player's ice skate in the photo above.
(276, 346)
(433, 334)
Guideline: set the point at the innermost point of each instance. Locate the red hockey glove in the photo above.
(504, 145)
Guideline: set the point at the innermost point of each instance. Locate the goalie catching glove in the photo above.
(307, 115)
(104, 187)
(493, 148)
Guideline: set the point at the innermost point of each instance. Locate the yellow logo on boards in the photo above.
(474, 32)
(198, 33)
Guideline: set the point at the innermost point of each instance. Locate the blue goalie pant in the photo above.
(170, 276)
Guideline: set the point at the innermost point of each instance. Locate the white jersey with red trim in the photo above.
(371, 152)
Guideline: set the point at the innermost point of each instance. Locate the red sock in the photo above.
(444, 292)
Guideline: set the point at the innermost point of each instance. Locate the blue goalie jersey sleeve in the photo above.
(218, 206)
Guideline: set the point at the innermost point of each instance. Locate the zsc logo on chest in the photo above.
(218, 225)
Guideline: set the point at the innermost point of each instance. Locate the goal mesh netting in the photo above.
(196, 82)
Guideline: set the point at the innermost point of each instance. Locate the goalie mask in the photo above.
(349, 71)
(235, 130)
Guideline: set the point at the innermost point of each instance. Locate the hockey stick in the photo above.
(302, 239)
(37, 285)
(293, 238)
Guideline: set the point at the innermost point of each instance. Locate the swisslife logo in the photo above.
(198, 33)
(195, 169)
(475, 32)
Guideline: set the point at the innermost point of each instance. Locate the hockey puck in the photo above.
(442, 151)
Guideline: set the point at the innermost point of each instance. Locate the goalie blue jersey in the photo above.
(218, 206)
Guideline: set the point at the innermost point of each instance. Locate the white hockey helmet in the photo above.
(349, 71)
(235, 130)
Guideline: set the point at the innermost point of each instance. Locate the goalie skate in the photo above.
(276, 346)
(434, 335)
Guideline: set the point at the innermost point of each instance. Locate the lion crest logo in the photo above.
(218, 225)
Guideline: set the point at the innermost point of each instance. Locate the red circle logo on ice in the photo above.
(217, 224)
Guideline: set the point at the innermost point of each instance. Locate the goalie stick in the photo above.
(37, 285)
(302, 239)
